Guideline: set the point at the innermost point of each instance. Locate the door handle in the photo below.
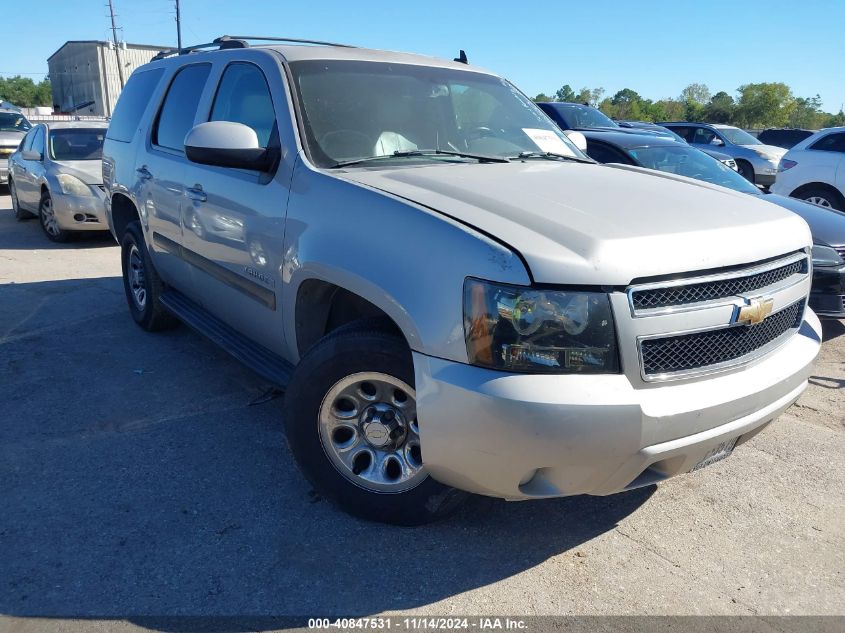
(196, 193)
(143, 173)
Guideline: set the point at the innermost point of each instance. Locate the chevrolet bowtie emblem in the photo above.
(754, 313)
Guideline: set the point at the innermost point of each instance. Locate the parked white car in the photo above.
(814, 170)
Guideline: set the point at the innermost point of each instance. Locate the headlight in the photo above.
(73, 186)
(824, 255)
(520, 329)
(766, 156)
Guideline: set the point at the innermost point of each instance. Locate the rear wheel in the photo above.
(351, 420)
(823, 197)
(746, 170)
(49, 223)
(20, 214)
(141, 282)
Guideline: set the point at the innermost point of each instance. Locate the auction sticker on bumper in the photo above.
(717, 454)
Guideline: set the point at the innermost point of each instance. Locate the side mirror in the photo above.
(228, 144)
(578, 139)
(717, 141)
(31, 154)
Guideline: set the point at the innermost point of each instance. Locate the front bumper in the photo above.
(80, 213)
(765, 171)
(827, 297)
(519, 436)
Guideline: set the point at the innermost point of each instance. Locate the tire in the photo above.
(745, 170)
(823, 196)
(20, 214)
(141, 282)
(358, 358)
(48, 222)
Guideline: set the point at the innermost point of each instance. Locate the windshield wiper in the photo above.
(552, 156)
(411, 153)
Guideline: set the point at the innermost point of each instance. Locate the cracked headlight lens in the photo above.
(521, 329)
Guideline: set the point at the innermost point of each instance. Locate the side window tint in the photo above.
(176, 117)
(703, 136)
(244, 97)
(605, 153)
(132, 103)
(830, 143)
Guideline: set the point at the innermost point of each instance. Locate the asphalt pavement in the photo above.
(145, 476)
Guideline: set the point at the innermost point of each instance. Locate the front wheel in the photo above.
(351, 422)
(824, 197)
(47, 217)
(746, 170)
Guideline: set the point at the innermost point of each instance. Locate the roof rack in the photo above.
(239, 41)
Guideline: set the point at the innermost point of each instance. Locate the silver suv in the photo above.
(455, 298)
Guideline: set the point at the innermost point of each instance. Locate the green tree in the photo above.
(696, 93)
(720, 109)
(588, 96)
(627, 104)
(24, 92)
(834, 120)
(565, 93)
(764, 105)
(807, 113)
(541, 98)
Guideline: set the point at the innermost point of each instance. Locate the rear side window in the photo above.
(830, 143)
(176, 117)
(132, 103)
(244, 97)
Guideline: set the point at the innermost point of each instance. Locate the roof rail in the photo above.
(259, 38)
(218, 44)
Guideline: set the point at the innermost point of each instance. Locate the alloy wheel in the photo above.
(137, 278)
(48, 218)
(820, 201)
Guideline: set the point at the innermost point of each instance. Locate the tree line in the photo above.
(755, 106)
(25, 93)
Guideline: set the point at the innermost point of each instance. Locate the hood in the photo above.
(577, 223)
(11, 138)
(88, 171)
(826, 225)
(771, 150)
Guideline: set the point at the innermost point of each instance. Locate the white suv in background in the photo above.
(814, 170)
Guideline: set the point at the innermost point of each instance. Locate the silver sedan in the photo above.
(56, 175)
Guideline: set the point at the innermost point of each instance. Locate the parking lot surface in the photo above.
(147, 475)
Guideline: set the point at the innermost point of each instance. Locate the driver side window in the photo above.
(244, 97)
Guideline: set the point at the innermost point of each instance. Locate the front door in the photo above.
(234, 219)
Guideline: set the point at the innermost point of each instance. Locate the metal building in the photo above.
(84, 74)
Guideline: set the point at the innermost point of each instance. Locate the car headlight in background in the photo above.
(824, 255)
(521, 329)
(766, 156)
(73, 186)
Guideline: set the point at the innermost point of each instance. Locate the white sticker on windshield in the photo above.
(547, 141)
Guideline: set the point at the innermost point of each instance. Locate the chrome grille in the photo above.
(690, 352)
(669, 296)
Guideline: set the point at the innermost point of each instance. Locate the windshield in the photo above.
(688, 161)
(737, 136)
(354, 110)
(13, 122)
(77, 143)
(584, 116)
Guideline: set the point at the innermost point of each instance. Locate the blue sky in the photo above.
(655, 47)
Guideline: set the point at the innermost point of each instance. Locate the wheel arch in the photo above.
(123, 211)
(816, 185)
(324, 303)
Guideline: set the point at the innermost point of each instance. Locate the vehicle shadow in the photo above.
(28, 235)
(832, 328)
(144, 475)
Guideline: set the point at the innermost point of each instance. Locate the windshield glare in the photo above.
(585, 117)
(77, 144)
(13, 122)
(353, 110)
(738, 137)
(690, 162)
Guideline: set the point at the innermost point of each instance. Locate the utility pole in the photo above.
(116, 45)
(178, 27)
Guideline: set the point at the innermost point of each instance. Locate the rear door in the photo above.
(828, 157)
(234, 219)
(161, 170)
(26, 181)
